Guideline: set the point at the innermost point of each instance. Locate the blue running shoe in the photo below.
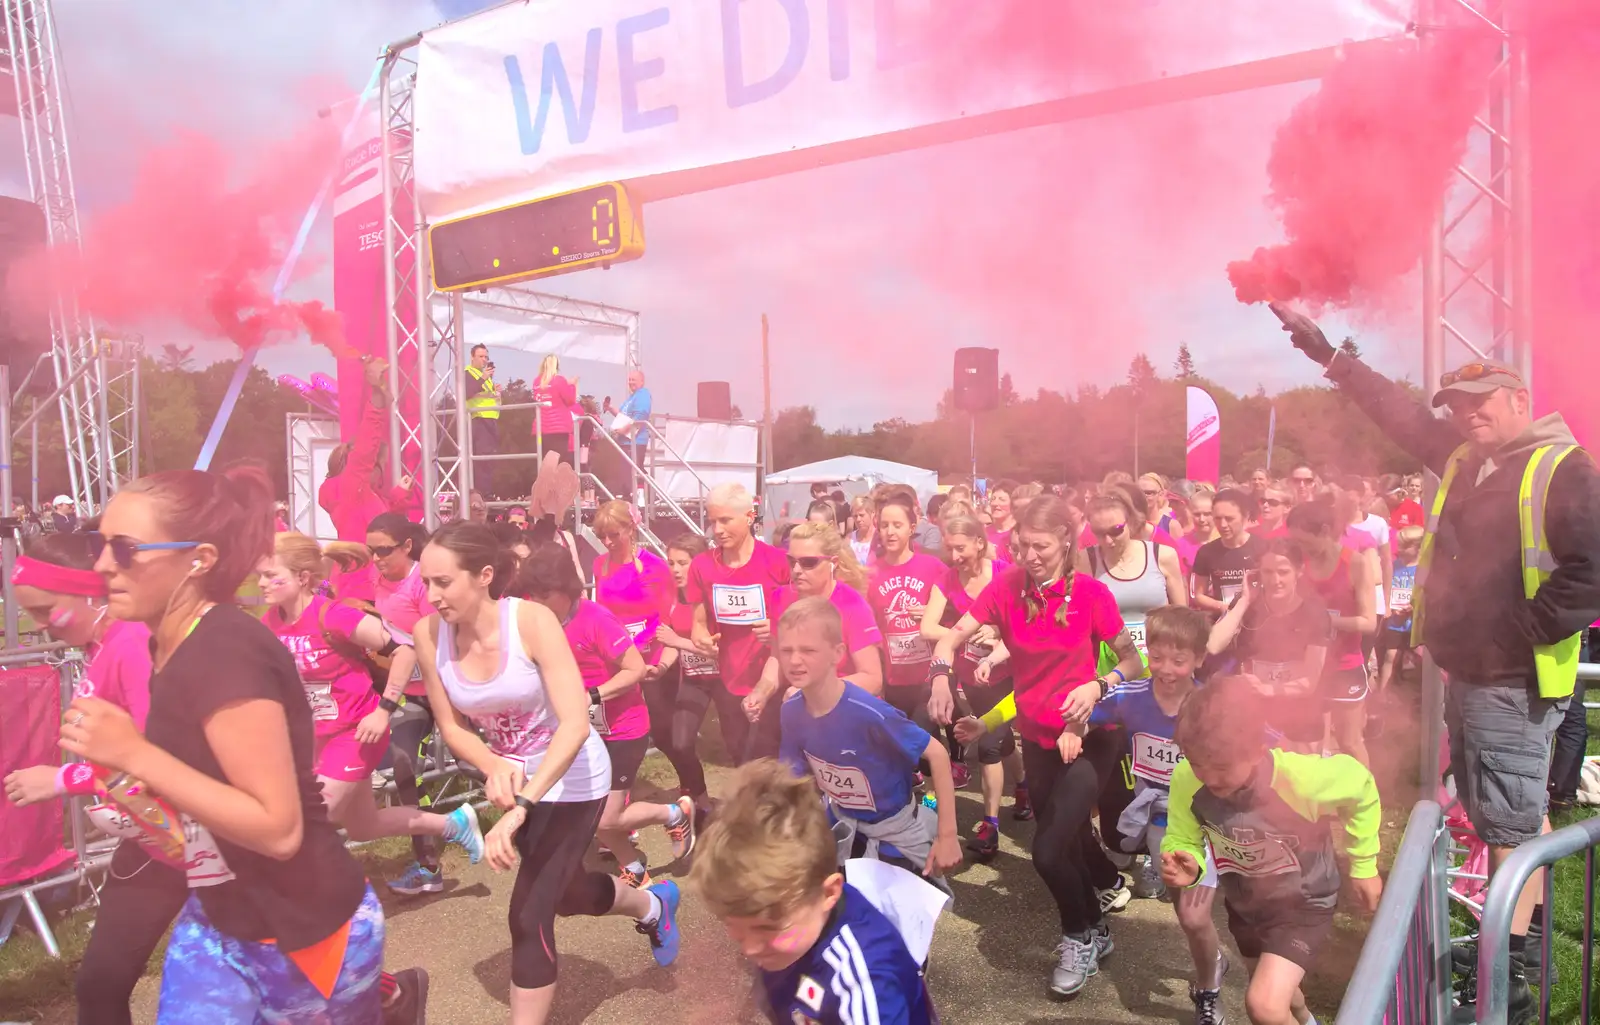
(416, 879)
(663, 932)
(465, 830)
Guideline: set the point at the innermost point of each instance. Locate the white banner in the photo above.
(718, 452)
(502, 327)
(541, 97)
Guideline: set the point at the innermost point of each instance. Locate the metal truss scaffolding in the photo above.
(1477, 273)
(82, 373)
(422, 326)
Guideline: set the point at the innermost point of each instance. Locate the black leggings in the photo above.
(695, 695)
(664, 698)
(550, 882)
(140, 899)
(1065, 852)
(408, 731)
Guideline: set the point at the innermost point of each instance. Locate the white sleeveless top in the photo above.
(513, 713)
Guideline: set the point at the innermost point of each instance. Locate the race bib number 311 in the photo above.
(739, 605)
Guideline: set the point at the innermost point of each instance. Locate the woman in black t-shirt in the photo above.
(280, 923)
(1280, 638)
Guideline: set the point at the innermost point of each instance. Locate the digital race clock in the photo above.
(555, 235)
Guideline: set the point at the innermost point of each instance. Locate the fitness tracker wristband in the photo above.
(937, 668)
(526, 805)
(389, 706)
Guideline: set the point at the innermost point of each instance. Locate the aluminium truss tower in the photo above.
(96, 424)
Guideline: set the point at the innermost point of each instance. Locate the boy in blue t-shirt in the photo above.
(1394, 631)
(1175, 638)
(767, 867)
(861, 751)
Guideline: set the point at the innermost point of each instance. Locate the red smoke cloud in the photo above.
(1359, 168)
(199, 241)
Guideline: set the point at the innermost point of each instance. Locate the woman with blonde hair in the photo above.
(561, 405)
(329, 641)
(821, 565)
(863, 527)
(1159, 513)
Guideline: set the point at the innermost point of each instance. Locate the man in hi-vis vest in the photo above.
(483, 395)
(1508, 580)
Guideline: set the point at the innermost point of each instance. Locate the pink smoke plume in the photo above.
(1360, 167)
(200, 240)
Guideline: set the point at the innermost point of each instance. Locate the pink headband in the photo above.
(47, 576)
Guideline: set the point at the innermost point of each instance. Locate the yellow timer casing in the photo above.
(537, 239)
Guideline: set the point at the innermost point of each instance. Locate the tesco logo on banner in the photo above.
(1203, 430)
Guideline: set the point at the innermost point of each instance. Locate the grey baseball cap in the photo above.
(1477, 378)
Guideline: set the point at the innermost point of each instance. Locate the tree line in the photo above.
(1049, 436)
(1053, 436)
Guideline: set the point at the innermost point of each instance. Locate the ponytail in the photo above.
(231, 510)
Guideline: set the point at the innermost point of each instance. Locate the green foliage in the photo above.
(1183, 366)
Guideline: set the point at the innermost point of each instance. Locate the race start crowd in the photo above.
(1189, 668)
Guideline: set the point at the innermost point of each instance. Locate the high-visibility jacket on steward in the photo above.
(1505, 591)
(481, 396)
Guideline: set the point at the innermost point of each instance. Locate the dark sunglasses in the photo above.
(1475, 372)
(1109, 532)
(1273, 501)
(123, 549)
(806, 562)
(384, 551)
(1304, 480)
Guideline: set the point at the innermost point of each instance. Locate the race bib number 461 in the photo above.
(845, 785)
(908, 649)
(739, 605)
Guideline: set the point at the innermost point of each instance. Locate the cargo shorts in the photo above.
(1500, 739)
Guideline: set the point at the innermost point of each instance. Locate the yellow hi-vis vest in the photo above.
(1556, 664)
(482, 399)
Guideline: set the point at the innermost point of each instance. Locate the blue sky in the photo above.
(1069, 248)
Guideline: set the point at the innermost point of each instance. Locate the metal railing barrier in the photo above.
(1403, 974)
(1494, 937)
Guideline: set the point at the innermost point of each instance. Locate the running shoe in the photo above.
(1116, 898)
(986, 844)
(464, 829)
(637, 880)
(682, 835)
(960, 775)
(1104, 945)
(1021, 808)
(1207, 1006)
(1147, 881)
(416, 879)
(410, 1004)
(1075, 966)
(663, 932)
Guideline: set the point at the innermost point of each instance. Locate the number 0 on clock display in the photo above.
(539, 239)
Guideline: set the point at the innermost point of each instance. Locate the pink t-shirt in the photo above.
(695, 665)
(734, 600)
(860, 629)
(639, 593)
(403, 604)
(957, 604)
(599, 640)
(1048, 659)
(119, 670)
(337, 685)
(999, 541)
(898, 594)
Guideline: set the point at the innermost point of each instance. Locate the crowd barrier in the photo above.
(43, 846)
